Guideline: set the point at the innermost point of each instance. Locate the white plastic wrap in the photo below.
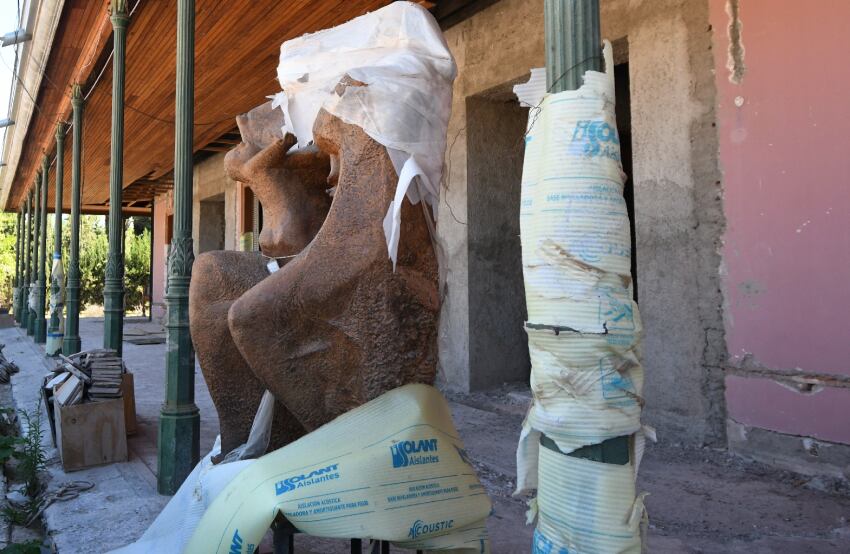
(173, 527)
(400, 54)
(260, 434)
(392, 469)
(57, 302)
(583, 326)
(32, 296)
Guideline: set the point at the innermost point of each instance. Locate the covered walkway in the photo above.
(125, 501)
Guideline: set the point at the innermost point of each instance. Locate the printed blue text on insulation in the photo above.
(410, 453)
(420, 528)
(595, 138)
(318, 475)
(236, 544)
(542, 545)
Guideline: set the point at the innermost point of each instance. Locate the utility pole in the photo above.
(179, 420)
(113, 284)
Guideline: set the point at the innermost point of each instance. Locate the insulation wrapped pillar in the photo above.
(583, 326)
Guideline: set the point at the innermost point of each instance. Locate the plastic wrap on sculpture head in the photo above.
(352, 310)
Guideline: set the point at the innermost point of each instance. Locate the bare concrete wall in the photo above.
(678, 214)
(497, 46)
(498, 345)
(211, 224)
(786, 250)
(677, 194)
(210, 180)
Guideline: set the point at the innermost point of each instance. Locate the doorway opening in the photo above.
(498, 345)
(211, 224)
(624, 130)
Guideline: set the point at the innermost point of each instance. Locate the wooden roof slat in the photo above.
(237, 47)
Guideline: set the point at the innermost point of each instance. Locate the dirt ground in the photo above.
(700, 500)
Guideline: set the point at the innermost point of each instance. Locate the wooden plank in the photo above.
(128, 390)
(67, 391)
(79, 39)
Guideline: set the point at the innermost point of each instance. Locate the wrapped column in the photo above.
(583, 326)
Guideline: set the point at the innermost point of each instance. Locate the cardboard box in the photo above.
(128, 390)
(91, 434)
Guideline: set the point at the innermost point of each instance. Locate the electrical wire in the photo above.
(12, 85)
(23, 86)
(93, 86)
(108, 58)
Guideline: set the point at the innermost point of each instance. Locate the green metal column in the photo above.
(41, 287)
(55, 328)
(19, 278)
(573, 46)
(31, 322)
(573, 42)
(25, 310)
(179, 421)
(113, 286)
(17, 283)
(71, 343)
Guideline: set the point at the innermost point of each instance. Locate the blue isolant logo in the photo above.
(542, 545)
(404, 452)
(318, 475)
(420, 528)
(236, 543)
(595, 138)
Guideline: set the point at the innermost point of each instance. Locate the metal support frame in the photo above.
(40, 334)
(113, 283)
(72, 342)
(27, 273)
(179, 420)
(573, 46)
(57, 311)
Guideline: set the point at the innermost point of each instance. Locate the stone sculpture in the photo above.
(335, 326)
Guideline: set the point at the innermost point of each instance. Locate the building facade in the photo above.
(730, 122)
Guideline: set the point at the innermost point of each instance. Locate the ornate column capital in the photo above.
(118, 13)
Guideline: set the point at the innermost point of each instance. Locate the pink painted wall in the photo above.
(785, 154)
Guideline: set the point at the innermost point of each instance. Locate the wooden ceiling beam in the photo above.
(237, 49)
(86, 18)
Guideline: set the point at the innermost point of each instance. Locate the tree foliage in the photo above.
(94, 246)
(8, 224)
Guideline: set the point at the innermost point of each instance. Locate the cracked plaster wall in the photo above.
(783, 122)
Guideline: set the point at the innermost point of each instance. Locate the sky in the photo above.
(8, 23)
